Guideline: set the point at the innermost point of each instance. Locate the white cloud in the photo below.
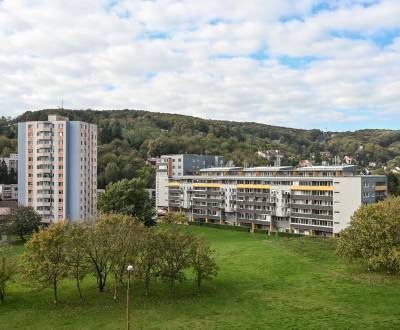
(287, 62)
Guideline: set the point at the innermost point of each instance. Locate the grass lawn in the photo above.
(263, 283)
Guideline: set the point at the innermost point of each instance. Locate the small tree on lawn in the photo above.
(44, 263)
(174, 246)
(97, 248)
(23, 221)
(202, 261)
(123, 241)
(148, 265)
(374, 236)
(7, 270)
(76, 258)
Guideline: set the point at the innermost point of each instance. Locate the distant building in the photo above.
(152, 161)
(348, 160)
(176, 166)
(11, 162)
(8, 192)
(57, 168)
(306, 162)
(314, 200)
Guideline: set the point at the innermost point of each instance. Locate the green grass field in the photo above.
(263, 283)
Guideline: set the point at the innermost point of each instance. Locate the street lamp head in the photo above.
(129, 268)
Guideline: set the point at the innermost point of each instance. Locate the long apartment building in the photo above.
(174, 166)
(57, 168)
(316, 200)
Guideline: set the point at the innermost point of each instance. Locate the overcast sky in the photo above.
(301, 63)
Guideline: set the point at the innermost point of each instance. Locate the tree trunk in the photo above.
(2, 293)
(55, 292)
(115, 287)
(78, 286)
(22, 237)
(147, 284)
(198, 282)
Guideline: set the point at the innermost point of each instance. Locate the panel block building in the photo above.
(315, 200)
(57, 168)
(168, 166)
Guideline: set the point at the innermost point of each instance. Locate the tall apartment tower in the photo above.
(57, 168)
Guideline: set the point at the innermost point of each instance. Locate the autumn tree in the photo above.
(44, 263)
(148, 258)
(76, 258)
(174, 218)
(97, 250)
(7, 270)
(124, 237)
(373, 236)
(23, 221)
(174, 246)
(202, 260)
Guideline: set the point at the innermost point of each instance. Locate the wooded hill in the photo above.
(128, 137)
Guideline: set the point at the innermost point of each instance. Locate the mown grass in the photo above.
(263, 283)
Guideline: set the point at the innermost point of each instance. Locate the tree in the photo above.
(148, 261)
(97, 249)
(393, 184)
(44, 263)
(23, 221)
(202, 261)
(3, 172)
(128, 197)
(76, 258)
(7, 270)
(373, 236)
(111, 173)
(174, 218)
(174, 246)
(124, 239)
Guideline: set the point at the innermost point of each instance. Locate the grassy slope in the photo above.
(275, 283)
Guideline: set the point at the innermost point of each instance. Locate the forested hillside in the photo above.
(128, 137)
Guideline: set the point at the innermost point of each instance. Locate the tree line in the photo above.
(102, 251)
(128, 137)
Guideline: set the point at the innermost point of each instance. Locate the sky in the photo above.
(298, 63)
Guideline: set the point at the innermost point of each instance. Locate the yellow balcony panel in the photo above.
(173, 184)
(253, 186)
(206, 185)
(380, 188)
(313, 188)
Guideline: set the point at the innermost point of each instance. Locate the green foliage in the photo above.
(148, 257)
(128, 197)
(8, 269)
(128, 137)
(174, 218)
(76, 259)
(202, 261)
(393, 184)
(373, 236)
(44, 263)
(174, 246)
(23, 221)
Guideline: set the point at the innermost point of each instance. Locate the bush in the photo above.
(373, 236)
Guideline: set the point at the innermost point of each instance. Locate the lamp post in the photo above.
(129, 269)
